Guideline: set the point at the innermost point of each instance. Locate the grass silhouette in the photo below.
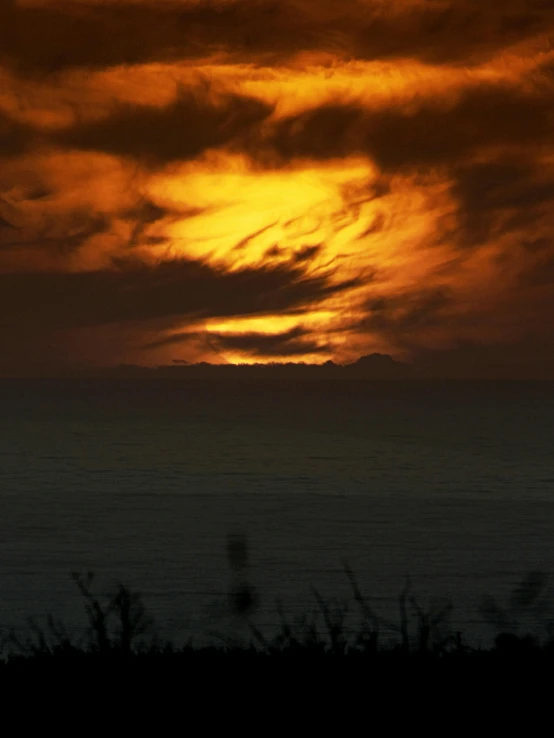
(119, 628)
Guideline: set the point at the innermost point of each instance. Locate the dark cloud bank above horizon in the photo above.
(231, 181)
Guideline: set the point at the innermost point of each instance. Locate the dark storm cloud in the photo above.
(15, 137)
(295, 342)
(540, 273)
(59, 35)
(62, 245)
(507, 193)
(56, 36)
(402, 314)
(180, 131)
(138, 292)
(524, 350)
(497, 115)
(436, 133)
(452, 31)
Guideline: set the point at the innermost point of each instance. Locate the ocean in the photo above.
(143, 481)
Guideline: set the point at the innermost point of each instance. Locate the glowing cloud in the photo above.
(255, 180)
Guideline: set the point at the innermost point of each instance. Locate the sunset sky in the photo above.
(277, 180)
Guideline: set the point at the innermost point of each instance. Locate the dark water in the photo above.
(452, 484)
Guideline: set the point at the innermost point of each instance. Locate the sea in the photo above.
(446, 488)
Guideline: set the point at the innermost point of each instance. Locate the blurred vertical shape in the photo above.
(242, 595)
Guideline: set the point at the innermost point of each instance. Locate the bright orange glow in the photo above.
(250, 217)
(295, 181)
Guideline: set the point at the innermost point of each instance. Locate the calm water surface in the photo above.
(143, 481)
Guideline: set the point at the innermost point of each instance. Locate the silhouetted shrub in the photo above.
(119, 626)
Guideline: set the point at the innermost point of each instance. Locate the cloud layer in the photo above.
(256, 180)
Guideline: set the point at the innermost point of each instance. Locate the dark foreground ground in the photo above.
(121, 640)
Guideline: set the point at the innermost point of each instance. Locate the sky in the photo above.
(277, 180)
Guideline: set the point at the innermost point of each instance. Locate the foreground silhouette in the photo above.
(121, 631)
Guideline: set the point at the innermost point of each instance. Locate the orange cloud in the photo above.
(260, 179)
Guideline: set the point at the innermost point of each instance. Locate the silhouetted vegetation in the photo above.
(120, 629)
